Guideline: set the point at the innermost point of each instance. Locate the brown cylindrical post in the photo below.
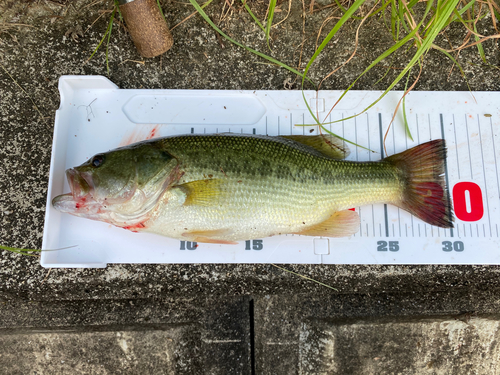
(147, 27)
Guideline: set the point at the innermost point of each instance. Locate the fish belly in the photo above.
(249, 208)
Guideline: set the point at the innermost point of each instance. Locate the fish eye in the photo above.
(97, 160)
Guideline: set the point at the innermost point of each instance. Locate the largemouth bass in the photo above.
(222, 188)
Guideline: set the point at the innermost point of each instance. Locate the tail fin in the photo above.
(425, 194)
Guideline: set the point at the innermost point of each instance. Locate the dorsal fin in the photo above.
(326, 144)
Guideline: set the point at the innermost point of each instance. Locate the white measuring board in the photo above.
(96, 116)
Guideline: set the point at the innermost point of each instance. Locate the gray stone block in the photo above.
(165, 351)
(426, 346)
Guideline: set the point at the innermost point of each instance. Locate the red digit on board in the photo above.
(475, 198)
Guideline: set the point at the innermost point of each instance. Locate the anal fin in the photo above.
(209, 236)
(340, 224)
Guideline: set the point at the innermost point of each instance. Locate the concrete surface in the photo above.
(217, 319)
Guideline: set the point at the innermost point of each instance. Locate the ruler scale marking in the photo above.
(373, 220)
(370, 159)
(343, 135)
(484, 174)
(494, 155)
(468, 146)
(360, 228)
(430, 127)
(356, 136)
(382, 154)
(456, 146)
(418, 130)
(450, 217)
(399, 222)
(394, 151)
(330, 121)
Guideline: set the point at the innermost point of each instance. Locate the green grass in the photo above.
(436, 17)
(29, 252)
(409, 33)
(269, 23)
(260, 54)
(108, 34)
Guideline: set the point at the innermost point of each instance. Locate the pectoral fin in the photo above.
(340, 224)
(326, 144)
(209, 236)
(202, 192)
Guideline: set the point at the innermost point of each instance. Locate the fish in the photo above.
(224, 188)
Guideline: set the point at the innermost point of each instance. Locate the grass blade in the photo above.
(421, 51)
(270, 17)
(104, 36)
(253, 15)
(260, 54)
(304, 277)
(29, 251)
(353, 8)
(109, 36)
(407, 128)
(161, 10)
(21, 251)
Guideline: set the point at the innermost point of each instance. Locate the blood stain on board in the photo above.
(140, 133)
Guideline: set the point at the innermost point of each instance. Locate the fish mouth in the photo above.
(81, 187)
(80, 183)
